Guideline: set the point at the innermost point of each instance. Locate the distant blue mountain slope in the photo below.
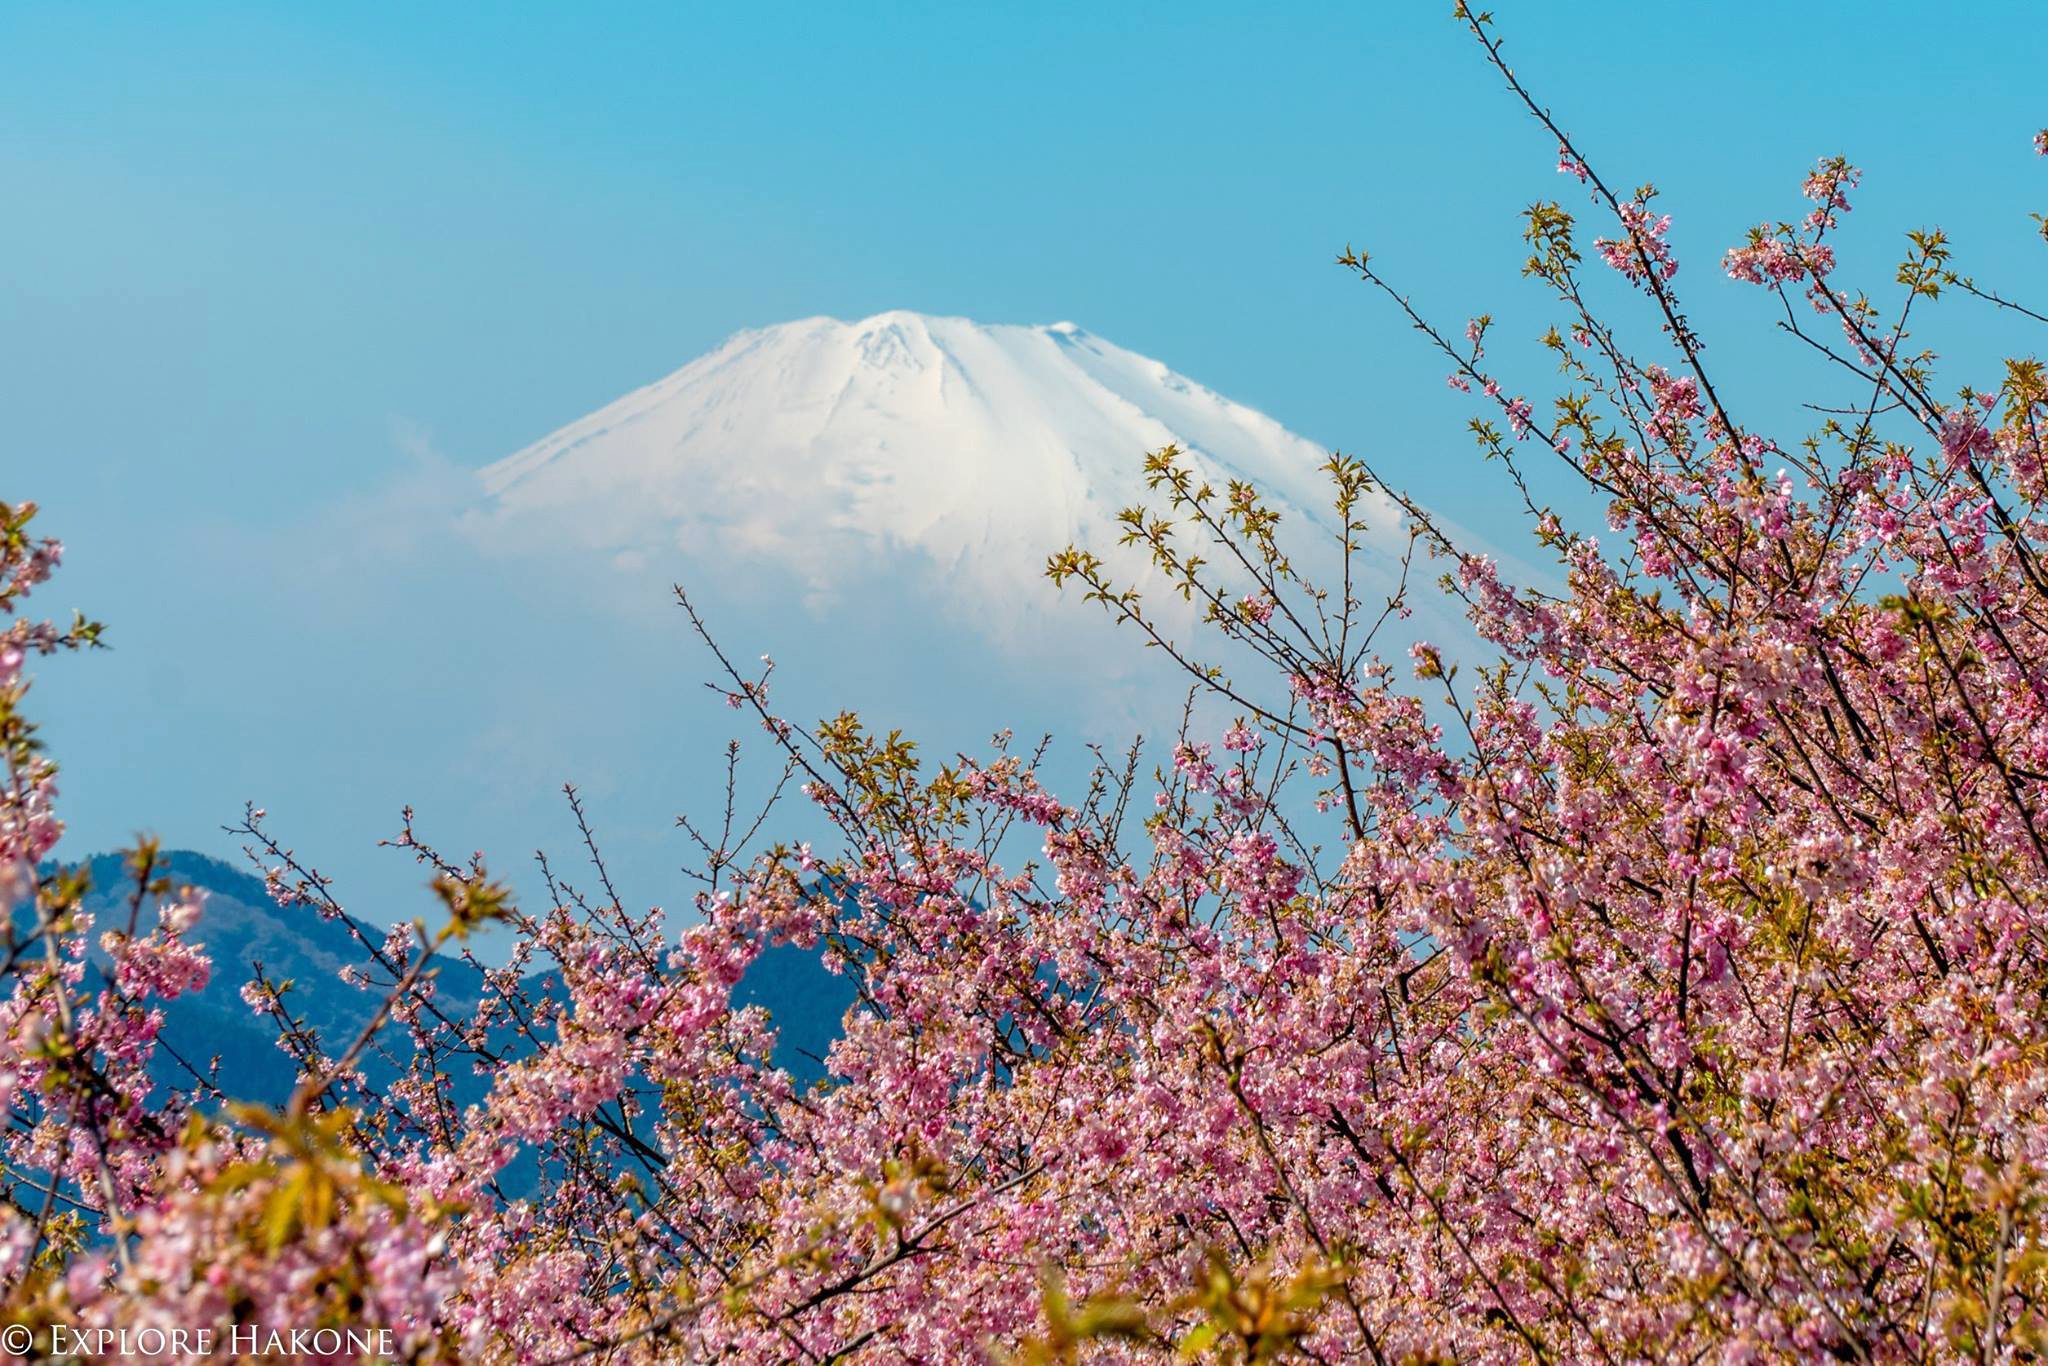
(242, 926)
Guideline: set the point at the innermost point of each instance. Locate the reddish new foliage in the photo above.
(1676, 988)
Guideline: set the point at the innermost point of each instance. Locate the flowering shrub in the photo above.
(1675, 988)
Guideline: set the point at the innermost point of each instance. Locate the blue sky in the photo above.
(258, 258)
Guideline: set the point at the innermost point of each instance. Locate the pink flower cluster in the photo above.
(1642, 252)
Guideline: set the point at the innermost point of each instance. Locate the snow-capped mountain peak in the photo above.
(899, 444)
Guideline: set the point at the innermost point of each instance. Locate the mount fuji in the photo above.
(870, 502)
(906, 453)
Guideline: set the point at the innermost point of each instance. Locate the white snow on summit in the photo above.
(953, 450)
